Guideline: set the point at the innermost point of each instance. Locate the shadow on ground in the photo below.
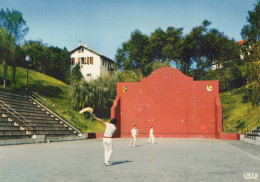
(120, 162)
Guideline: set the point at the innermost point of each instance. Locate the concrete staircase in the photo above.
(22, 117)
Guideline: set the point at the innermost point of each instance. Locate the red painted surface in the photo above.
(173, 103)
(229, 136)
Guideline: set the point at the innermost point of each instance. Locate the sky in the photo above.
(105, 24)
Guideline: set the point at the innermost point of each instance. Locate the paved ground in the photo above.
(170, 160)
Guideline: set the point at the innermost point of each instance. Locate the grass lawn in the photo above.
(237, 113)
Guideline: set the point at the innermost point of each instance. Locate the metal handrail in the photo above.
(250, 132)
(257, 123)
(35, 99)
(15, 113)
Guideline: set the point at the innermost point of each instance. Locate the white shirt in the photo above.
(110, 129)
(151, 132)
(134, 132)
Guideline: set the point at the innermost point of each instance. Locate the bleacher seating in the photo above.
(21, 117)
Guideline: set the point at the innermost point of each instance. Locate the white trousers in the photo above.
(151, 139)
(108, 148)
(133, 140)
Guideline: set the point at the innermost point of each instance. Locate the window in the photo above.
(89, 75)
(91, 60)
(72, 61)
(82, 60)
(82, 50)
(79, 50)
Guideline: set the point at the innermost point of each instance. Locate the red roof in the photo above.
(241, 42)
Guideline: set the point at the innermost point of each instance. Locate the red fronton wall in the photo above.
(173, 103)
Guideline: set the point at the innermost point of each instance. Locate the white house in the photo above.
(92, 64)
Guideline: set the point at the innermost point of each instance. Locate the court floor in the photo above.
(179, 160)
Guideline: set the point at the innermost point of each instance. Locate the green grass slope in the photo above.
(237, 114)
(55, 95)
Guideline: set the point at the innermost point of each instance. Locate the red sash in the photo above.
(107, 137)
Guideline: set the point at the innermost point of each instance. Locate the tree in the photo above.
(16, 61)
(16, 27)
(7, 49)
(251, 31)
(130, 56)
(37, 50)
(202, 48)
(218, 49)
(50, 60)
(76, 86)
(14, 24)
(56, 63)
(173, 48)
(251, 52)
(76, 74)
(252, 73)
(153, 66)
(141, 50)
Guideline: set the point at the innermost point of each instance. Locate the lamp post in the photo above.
(27, 59)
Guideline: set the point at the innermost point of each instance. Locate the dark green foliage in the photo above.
(148, 69)
(7, 49)
(50, 60)
(16, 28)
(129, 76)
(76, 74)
(140, 50)
(14, 23)
(202, 47)
(251, 54)
(229, 77)
(251, 31)
(98, 94)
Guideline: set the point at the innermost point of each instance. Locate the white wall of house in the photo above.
(105, 65)
(90, 71)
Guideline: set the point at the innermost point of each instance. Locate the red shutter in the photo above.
(78, 60)
(91, 60)
(73, 61)
(85, 60)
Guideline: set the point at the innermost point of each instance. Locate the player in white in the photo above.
(107, 139)
(151, 139)
(134, 133)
